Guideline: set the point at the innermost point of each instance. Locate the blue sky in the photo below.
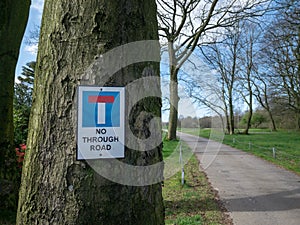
(28, 53)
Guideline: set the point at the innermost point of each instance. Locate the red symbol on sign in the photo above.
(101, 103)
(101, 99)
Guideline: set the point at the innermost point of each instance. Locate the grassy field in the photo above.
(194, 202)
(261, 142)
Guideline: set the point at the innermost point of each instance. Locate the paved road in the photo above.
(253, 191)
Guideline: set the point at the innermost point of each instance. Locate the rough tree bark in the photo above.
(13, 20)
(57, 189)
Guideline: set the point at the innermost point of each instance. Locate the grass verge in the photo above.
(194, 202)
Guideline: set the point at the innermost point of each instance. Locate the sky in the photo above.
(28, 53)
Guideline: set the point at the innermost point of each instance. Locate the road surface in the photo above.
(253, 190)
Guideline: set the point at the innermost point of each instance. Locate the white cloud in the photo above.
(32, 49)
(38, 5)
(17, 81)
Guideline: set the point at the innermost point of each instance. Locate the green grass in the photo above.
(195, 201)
(261, 142)
(286, 144)
(169, 147)
(196, 131)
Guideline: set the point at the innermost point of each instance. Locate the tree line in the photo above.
(259, 120)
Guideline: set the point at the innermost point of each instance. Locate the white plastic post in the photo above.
(180, 154)
(182, 176)
(274, 153)
(181, 163)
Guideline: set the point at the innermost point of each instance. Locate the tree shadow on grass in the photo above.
(190, 206)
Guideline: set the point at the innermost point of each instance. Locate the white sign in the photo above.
(100, 122)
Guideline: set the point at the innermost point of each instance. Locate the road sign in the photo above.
(100, 122)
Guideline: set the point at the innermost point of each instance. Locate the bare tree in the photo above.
(223, 59)
(209, 94)
(249, 60)
(184, 24)
(262, 94)
(282, 52)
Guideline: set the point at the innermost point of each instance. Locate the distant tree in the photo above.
(27, 75)
(207, 97)
(223, 58)
(22, 102)
(263, 94)
(249, 60)
(13, 20)
(189, 122)
(205, 122)
(257, 119)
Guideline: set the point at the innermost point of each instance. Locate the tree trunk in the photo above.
(248, 125)
(274, 128)
(227, 118)
(174, 99)
(266, 106)
(231, 114)
(57, 189)
(14, 15)
(297, 103)
(298, 121)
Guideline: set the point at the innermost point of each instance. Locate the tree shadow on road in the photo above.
(280, 201)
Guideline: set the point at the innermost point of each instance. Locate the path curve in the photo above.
(253, 190)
